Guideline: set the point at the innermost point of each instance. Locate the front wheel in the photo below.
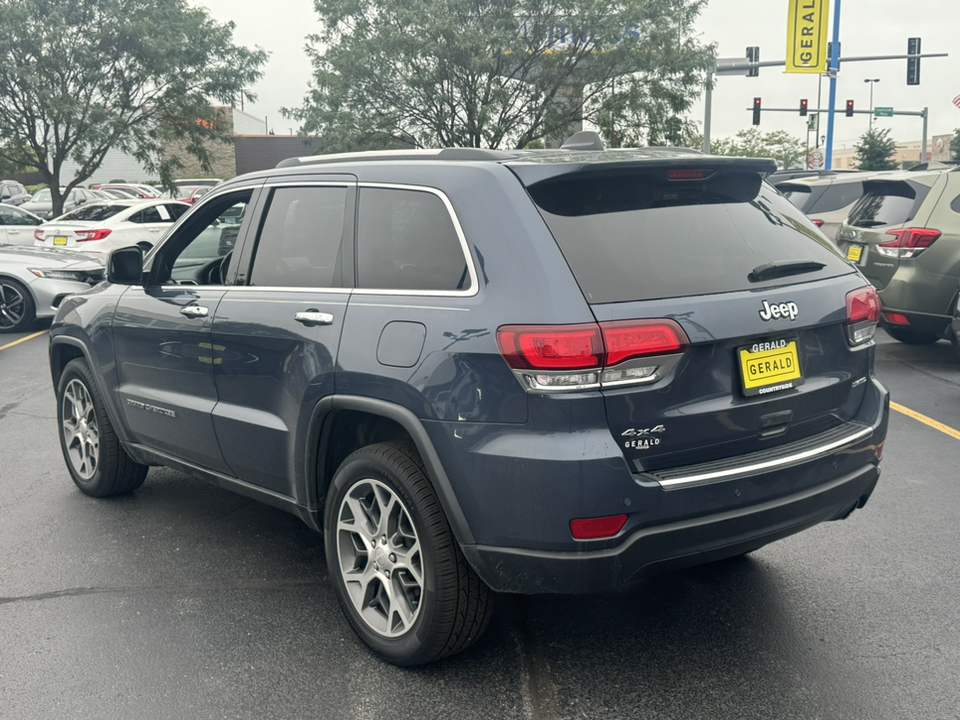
(396, 568)
(17, 309)
(97, 463)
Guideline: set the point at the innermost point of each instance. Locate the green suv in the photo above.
(904, 235)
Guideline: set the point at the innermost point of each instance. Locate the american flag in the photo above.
(956, 101)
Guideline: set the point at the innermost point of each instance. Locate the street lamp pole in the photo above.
(871, 81)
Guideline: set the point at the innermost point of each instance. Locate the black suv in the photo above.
(549, 371)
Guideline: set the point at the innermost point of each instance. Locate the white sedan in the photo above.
(97, 229)
(17, 225)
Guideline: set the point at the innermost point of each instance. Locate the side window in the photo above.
(176, 211)
(147, 215)
(301, 237)
(406, 240)
(10, 216)
(955, 205)
(198, 252)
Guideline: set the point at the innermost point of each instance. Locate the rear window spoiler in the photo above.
(623, 162)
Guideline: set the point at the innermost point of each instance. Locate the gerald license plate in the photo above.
(769, 367)
(59, 240)
(854, 252)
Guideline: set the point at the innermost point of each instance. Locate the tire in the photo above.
(400, 577)
(91, 449)
(17, 309)
(911, 337)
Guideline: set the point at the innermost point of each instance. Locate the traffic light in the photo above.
(753, 56)
(913, 63)
(849, 108)
(756, 111)
(803, 107)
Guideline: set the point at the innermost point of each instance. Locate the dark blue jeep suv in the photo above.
(550, 371)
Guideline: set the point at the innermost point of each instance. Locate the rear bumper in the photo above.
(676, 545)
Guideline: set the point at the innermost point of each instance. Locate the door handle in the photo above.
(314, 317)
(194, 311)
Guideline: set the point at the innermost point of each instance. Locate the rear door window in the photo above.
(301, 239)
(641, 238)
(887, 203)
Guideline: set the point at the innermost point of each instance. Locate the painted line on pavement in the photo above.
(945, 429)
(22, 340)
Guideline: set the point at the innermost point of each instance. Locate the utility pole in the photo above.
(871, 81)
(834, 67)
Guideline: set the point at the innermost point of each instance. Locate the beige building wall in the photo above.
(908, 153)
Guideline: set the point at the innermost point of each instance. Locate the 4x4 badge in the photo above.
(780, 310)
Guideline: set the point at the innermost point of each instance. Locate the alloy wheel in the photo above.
(81, 432)
(380, 558)
(12, 306)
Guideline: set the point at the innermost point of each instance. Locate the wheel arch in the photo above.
(342, 423)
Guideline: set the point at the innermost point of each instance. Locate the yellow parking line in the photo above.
(945, 429)
(22, 340)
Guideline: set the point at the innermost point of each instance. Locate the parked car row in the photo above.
(901, 229)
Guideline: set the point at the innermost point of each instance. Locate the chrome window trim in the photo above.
(464, 247)
(745, 470)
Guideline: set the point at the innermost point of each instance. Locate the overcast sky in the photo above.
(867, 27)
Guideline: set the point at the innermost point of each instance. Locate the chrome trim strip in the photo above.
(705, 478)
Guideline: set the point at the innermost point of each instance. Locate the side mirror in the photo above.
(125, 266)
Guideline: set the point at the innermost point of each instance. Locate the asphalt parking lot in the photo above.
(185, 601)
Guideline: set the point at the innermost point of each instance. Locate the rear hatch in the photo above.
(870, 239)
(760, 295)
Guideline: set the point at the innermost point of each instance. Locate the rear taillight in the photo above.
(551, 358)
(38, 234)
(88, 235)
(863, 314)
(909, 242)
(818, 223)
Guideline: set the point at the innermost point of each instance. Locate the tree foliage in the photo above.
(500, 73)
(955, 146)
(79, 77)
(876, 151)
(780, 145)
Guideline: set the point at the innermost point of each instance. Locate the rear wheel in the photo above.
(97, 463)
(17, 309)
(397, 570)
(911, 337)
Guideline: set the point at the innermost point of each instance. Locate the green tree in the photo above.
(781, 146)
(80, 77)
(876, 150)
(955, 146)
(500, 73)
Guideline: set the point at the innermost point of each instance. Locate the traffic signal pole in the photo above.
(834, 66)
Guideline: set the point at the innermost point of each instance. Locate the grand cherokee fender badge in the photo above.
(151, 408)
(780, 310)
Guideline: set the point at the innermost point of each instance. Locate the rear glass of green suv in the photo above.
(887, 202)
(640, 237)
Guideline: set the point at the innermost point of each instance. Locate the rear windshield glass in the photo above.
(94, 212)
(887, 203)
(640, 238)
(799, 195)
(836, 196)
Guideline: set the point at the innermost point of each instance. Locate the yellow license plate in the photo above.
(59, 240)
(854, 252)
(771, 366)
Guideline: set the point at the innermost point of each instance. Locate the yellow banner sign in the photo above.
(807, 36)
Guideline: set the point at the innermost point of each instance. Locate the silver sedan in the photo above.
(34, 281)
